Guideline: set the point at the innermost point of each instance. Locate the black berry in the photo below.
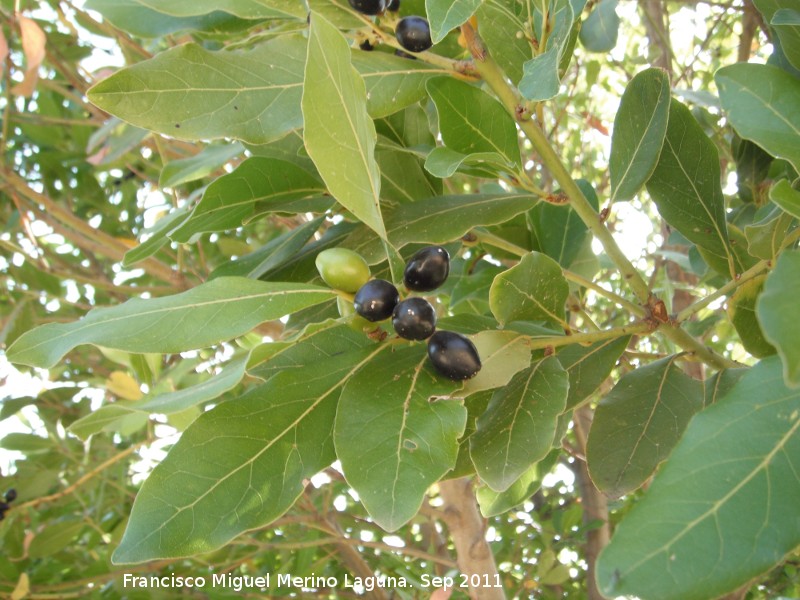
(11, 495)
(414, 319)
(427, 269)
(366, 45)
(453, 355)
(393, 5)
(376, 299)
(369, 7)
(413, 33)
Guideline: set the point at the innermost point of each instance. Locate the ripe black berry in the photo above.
(453, 355)
(369, 7)
(11, 495)
(393, 5)
(414, 319)
(376, 299)
(414, 34)
(427, 269)
(366, 45)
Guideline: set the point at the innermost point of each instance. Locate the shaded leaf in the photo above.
(589, 366)
(782, 194)
(540, 80)
(502, 354)
(471, 121)
(742, 313)
(443, 162)
(157, 236)
(686, 188)
(496, 18)
(716, 515)
(760, 102)
(765, 239)
(533, 290)
(787, 31)
(221, 309)
(600, 29)
(496, 503)
(200, 165)
(720, 383)
(639, 129)
(777, 311)
(339, 135)
(519, 425)
(638, 423)
(392, 440)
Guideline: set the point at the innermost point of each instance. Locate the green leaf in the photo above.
(777, 311)
(686, 188)
(502, 354)
(540, 80)
(533, 290)
(339, 134)
(716, 515)
(497, 19)
(781, 14)
(601, 28)
(639, 130)
(471, 121)
(157, 236)
(496, 503)
(742, 313)
(638, 423)
(200, 165)
(558, 230)
(155, 19)
(588, 366)
(782, 194)
(443, 162)
(54, 538)
(113, 418)
(273, 255)
(519, 425)
(403, 179)
(765, 238)
(191, 93)
(439, 220)
(219, 310)
(446, 15)
(393, 441)
(720, 383)
(256, 183)
(240, 465)
(761, 104)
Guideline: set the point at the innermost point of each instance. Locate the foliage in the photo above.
(204, 408)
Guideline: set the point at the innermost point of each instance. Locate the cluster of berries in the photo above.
(452, 354)
(10, 496)
(413, 33)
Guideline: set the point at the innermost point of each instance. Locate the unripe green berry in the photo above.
(342, 269)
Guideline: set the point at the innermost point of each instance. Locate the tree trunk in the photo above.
(468, 532)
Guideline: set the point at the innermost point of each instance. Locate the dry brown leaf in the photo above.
(33, 43)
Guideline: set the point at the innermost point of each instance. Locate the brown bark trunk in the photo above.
(468, 532)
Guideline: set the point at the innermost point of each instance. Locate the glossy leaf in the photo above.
(686, 188)
(588, 366)
(240, 465)
(716, 515)
(601, 28)
(446, 15)
(439, 220)
(638, 423)
(761, 103)
(340, 137)
(777, 312)
(209, 313)
(471, 121)
(519, 425)
(393, 441)
(533, 290)
(639, 129)
(232, 198)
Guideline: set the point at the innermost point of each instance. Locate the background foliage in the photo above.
(617, 184)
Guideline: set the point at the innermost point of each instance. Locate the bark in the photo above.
(656, 23)
(595, 505)
(749, 27)
(468, 532)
